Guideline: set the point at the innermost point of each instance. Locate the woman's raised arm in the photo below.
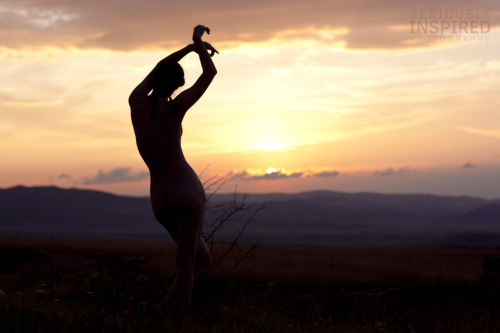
(188, 97)
(145, 87)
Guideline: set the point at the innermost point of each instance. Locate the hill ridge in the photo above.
(312, 217)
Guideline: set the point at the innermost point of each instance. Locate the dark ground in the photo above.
(71, 286)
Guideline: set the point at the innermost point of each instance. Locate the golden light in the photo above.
(270, 170)
(269, 142)
(272, 146)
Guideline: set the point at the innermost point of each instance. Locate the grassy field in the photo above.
(49, 285)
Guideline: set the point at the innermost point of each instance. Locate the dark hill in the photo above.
(73, 212)
(487, 215)
(318, 217)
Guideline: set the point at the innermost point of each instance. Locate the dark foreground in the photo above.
(73, 286)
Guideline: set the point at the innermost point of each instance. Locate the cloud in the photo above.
(278, 174)
(386, 172)
(256, 175)
(392, 172)
(469, 165)
(115, 176)
(405, 171)
(327, 174)
(64, 176)
(131, 25)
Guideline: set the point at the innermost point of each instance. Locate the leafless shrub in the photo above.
(235, 212)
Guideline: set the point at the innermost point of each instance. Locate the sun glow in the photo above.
(270, 142)
(272, 145)
(270, 170)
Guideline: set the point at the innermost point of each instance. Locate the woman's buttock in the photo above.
(172, 196)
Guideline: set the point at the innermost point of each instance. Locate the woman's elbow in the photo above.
(209, 73)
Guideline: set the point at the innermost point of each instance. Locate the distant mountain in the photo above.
(318, 217)
(485, 215)
(74, 212)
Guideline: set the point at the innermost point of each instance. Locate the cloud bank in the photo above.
(115, 176)
(469, 165)
(127, 25)
(392, 172)
(249, 175)
(64, 176)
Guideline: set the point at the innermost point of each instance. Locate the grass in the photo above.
(99, 286)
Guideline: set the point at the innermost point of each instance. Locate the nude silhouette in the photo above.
(177, 195)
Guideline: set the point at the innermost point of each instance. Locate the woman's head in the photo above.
(168, 77)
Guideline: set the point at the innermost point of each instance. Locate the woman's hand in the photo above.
(198, 32)
(210, 49)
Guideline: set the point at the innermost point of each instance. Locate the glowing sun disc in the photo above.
(270, 170)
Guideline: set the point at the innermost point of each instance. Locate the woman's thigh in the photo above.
(179, 206)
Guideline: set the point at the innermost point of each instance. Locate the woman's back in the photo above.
(158, 132)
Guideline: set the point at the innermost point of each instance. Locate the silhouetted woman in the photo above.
(177, 195)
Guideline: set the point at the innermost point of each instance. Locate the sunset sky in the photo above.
(383, 96)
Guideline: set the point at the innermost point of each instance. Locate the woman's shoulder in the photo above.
(138, 101)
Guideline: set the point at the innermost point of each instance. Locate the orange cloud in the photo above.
(115, 176)
(131, 25)
(272, 174)
(392, 172)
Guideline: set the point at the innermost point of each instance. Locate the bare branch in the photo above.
(235, 211)
(244, 256)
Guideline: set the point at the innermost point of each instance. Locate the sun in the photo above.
(270, 170)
